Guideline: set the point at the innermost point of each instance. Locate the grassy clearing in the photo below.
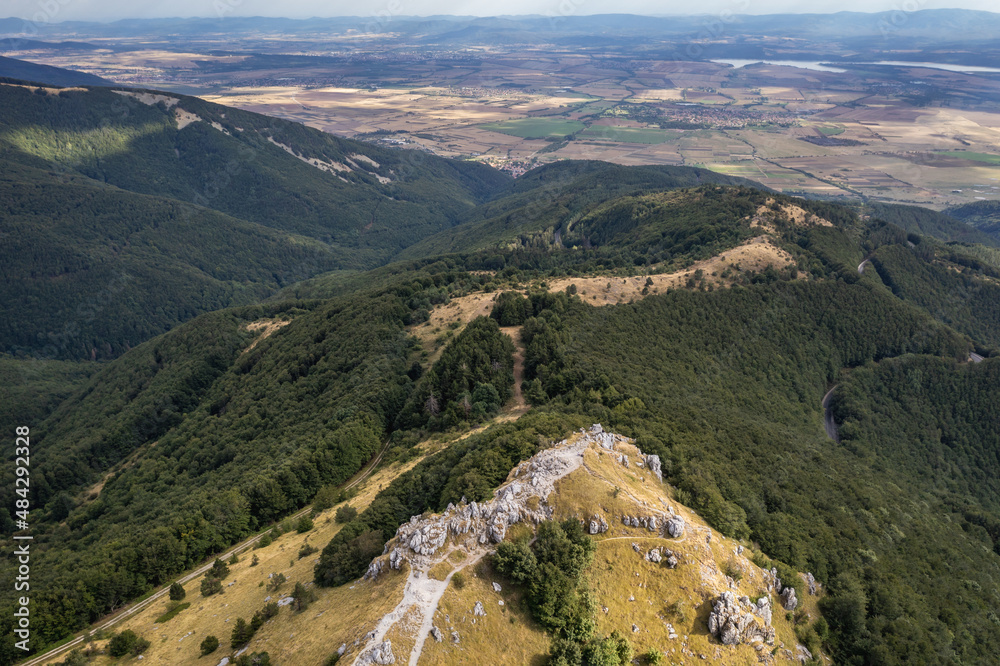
(985, 158)
(629, 134)
(536, 128)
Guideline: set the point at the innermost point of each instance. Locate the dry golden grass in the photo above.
(755, 254)
(647, 595)
(266, 327)
(506, 635)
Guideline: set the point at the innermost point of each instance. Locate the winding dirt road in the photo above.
(828, 423)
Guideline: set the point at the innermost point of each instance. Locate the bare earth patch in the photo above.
(266, 328)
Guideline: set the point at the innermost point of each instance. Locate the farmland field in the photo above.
(536, 128)
(628, 134)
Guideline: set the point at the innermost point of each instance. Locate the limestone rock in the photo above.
(654, 556)
(478, 610)
(496, 587)
(763, 609)
(802, 654)
(597, 524)
(654, 465)
(342, 649)
(454, 637)
(374, 569)
(788, 600)
(396, 559)
(811, 583)
(675, 526)
(672, 561)
(380, 654)
(635, 629)
(732, 625)
(436, 634)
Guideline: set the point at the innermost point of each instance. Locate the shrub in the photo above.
(346, 514)
(177, 591)
(209, 645)
(210, 586)
(306, 550)
(304, 525)
(127, 642)
(277, 580)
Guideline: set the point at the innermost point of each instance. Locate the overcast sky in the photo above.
(54, 11)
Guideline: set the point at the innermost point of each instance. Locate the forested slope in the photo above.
(127, 212)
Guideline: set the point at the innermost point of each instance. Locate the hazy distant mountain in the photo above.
(12, 68)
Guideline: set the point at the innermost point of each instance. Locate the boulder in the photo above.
(811, 583)
(396, 559)
(436, 634)
(455, 637)
(597, 524)
(788, 600)
(478, 610)
(653, 463)
(654, 556)
(763, 610)
(496, 587)
(675, 526)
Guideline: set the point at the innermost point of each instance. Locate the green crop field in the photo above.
(975, 157)
(831, 131)
(536, 128)
(628, 134)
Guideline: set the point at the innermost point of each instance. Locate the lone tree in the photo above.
(177, 591)
(242, 633)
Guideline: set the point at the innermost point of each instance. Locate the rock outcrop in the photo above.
(675, 527)
(811, 584)
(380, 654)
(478, 610)
(654, 465)
(436, 634)
(732, 624)
(597, 524)
(788, 600)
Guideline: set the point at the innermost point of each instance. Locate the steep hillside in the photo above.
(141, 210)
(983, 215)
(666, 585)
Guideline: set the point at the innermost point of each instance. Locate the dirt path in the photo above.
(514, 333)
(828, 423)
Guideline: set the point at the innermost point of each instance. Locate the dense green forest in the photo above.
(119, 223)
(968, 299)
(983, 215)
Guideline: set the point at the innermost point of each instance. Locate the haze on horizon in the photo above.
(55, 11)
